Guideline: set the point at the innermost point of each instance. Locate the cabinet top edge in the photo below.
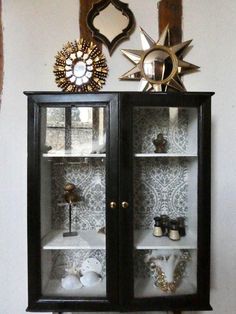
(30, 93)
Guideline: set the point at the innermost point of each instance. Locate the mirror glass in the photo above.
(157, 65)
(110, 22)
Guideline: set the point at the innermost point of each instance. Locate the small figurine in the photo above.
(160, 144)
(46, 148)
(71, 197)
(174, 230)
(157, 230)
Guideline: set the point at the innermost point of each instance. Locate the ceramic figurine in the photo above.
(160, 144)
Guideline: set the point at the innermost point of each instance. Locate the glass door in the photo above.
(160, 156)
(165, 201)
(77, 226)
(73, 201)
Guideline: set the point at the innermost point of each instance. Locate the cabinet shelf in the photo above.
(64, 154)
(143, 240)
(90, 239)
(167, 155)
(54, 288)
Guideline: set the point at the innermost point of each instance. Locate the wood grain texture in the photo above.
(85, 6)
(1, 52)
(170, 12)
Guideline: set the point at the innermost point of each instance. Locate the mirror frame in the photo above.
(99, 7)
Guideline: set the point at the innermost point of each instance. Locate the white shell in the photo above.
(91, 264)
(71, 282)
(90, 279)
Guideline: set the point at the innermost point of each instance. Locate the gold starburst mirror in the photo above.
(158, 66)
(80, 67)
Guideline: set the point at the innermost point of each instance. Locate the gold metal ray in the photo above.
(157, 87)
(163, 36)
(186, 67)
(146, 40)
(144, 85)
(179, 48)
(175, 83)
(134, 74)
(133, 55)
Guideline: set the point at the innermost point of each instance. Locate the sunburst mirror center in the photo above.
(158, 65)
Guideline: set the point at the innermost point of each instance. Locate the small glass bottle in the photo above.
(174, 230)
(157, 230)
(165, 225)
(181, 223)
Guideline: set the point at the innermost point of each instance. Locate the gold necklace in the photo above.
(160, 277)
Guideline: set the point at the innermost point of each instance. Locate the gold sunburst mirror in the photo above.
(80, 67)
(158, 66)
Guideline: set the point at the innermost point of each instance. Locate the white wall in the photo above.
(33, 32)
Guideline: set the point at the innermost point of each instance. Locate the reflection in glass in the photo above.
(77, 130)
(73, 188)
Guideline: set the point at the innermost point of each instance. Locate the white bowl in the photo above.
(71, 282)
(90, 279)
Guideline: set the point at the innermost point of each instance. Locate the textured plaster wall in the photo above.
(33, 31)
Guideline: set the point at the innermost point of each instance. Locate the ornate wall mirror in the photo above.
(110, 21)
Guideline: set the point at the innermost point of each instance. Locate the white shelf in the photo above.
(90, 239)
(144, 240)
(72, 154)
(54, 288)
(144, 287)
(168, 155)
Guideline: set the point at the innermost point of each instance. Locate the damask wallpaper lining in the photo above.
(160, 185)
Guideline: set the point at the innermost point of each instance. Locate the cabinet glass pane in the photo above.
(165, 188)
(73, 220)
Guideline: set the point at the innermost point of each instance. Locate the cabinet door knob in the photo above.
(112, 204)
(125, 205)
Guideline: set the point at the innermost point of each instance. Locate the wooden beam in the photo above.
(170, 12)
(85, 6)
(1, 52)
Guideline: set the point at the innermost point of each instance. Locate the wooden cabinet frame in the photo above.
(119, 178)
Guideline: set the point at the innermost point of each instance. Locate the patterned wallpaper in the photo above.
(160, 187)
(148, 122)
(89, 178)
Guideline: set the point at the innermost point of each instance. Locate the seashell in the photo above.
(91, 264)
(71, 282)
(90, 279)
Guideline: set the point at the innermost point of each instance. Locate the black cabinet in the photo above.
(101, 167)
